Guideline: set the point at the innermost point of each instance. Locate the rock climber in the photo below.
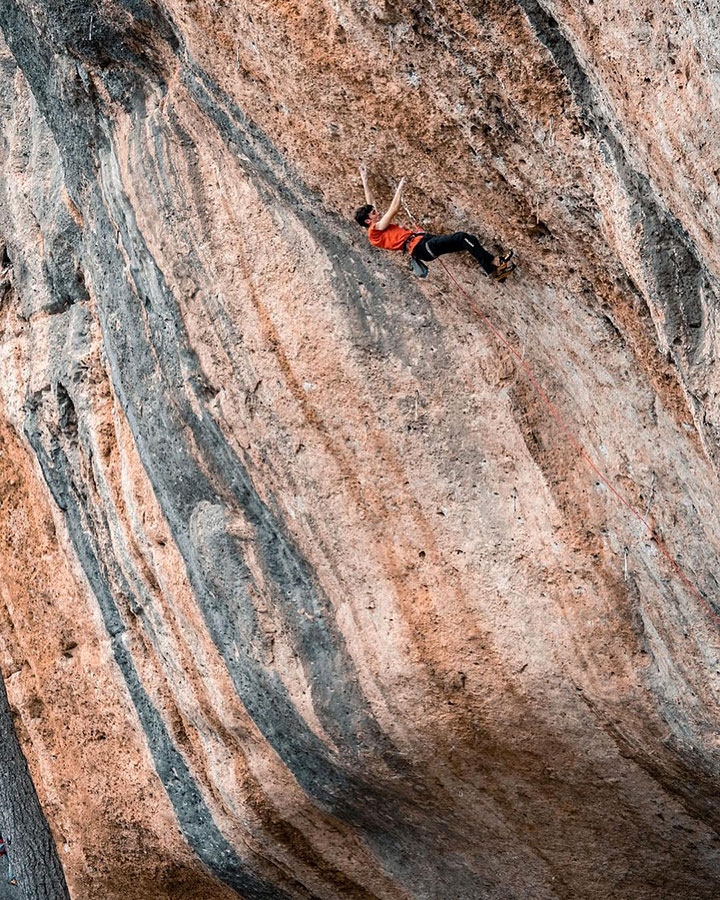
(422, 246)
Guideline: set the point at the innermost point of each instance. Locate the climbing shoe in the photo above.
(418, 267)
(506, 257)
(502, 272)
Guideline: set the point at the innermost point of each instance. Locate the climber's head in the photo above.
(366, 215)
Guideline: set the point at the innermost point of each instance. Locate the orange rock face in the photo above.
(306, 590)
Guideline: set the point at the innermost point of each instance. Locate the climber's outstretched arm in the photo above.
(386, 220)
(366, 187)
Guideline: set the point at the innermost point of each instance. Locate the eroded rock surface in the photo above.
(305, 593)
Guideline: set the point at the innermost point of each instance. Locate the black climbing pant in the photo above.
(434, 245)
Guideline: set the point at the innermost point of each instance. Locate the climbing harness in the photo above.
(657, 540)
(410, 237)
(417, 266)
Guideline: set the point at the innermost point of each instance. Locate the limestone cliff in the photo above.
(304, 593)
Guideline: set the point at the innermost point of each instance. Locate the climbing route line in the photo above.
(567, 431)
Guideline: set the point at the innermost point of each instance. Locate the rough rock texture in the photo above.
(304, 593)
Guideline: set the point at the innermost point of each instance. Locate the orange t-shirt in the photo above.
(393, 238)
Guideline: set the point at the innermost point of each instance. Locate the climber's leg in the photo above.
(439, 244)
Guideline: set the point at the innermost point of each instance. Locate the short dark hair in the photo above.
(361, 215)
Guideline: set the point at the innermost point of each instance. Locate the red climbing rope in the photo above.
(657, 540)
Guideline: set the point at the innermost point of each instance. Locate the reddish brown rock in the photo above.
(306, 591)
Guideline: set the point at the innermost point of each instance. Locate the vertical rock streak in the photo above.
(679, 282)
(33, 856)
(192, 812)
